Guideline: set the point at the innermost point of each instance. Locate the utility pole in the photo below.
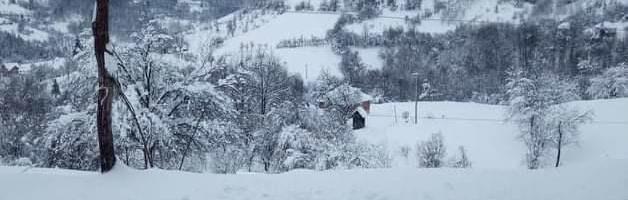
(100, 29)
(395, 112)
(416, 98)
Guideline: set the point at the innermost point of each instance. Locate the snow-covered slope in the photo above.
(9, 8)
(13, 14)
(267, 29)
(309, 61)
(490, 140)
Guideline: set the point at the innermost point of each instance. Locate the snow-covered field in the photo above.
(606, 180)
(595, 169)
(490, 140)
(308, 61)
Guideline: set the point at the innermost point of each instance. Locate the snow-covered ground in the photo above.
(308, 61)
(595, 169)
(606, 180)
(491, 142)
(9, 8)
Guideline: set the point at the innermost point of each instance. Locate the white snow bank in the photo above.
(605, 180)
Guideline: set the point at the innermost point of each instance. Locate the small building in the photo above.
(360, 113)
(14, 71)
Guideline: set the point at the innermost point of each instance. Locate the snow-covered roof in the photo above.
(361, 110)
(365, 97)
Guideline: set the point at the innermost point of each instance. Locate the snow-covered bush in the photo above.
(296, 148)
(613, 83)
(461, 160)
(24, 162)
(431, 152)
(364, 155)
(227, 160)
(67, 142)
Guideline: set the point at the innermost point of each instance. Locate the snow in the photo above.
(54, 63)
(486, 11)
(29, 33)
(268, 30)
(370, 57)
(490, 140)
(595, 169)
(620, 27)
(378, 25)
(362, 112)
(7, 8)
(607, 181)
(286, 26)
(310, 62)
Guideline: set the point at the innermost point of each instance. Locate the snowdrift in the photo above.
(604, 180)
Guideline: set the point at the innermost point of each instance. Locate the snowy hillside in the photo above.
(490, 140)
(437, 17)
(268, 30)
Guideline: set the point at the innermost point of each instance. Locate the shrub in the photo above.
(461, 160)
(431, 152)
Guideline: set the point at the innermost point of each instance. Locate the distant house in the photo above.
(3, 70)
(361, 112)
(6, 72)
(14, 71)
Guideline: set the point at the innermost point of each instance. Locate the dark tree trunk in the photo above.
(100, 29)
(560, 143)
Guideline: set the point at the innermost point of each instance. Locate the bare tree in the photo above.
(100, 30)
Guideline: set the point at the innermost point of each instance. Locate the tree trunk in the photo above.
(560, 143)
(100, 29)
(189, 142)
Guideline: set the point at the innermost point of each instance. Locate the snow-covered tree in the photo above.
(167, 105)
(368, 8)
(25, 104)
(352, 68)
(342, 101)
(534, 105)
(69, 142)
(612, 83)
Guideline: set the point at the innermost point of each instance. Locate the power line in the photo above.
(488, 119)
